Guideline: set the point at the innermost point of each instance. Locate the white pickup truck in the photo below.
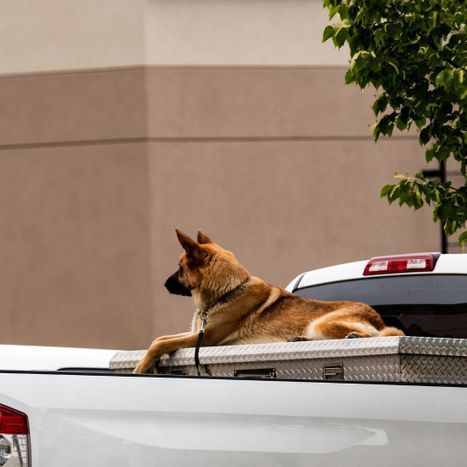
(63, 407)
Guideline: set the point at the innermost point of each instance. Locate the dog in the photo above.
(234, 307)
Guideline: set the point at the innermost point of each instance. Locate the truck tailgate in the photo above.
(110, 420)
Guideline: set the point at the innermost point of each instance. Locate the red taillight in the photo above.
(13, 422)
(400, 264)
(14, 438)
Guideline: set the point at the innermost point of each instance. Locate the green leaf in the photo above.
(386, 124)
(405, 115)
(340, 36)
(379, 36)
(442, 154)
(425, 135)
(394, 194)
(463, 238)
(376, 132)
(430, 153)
(420, 121)
(394, 66)
(401, 125)
(386, 190)
(349, 76)
(380, 104)
(333, 11)
(434, 19)
(444, 78)
(458, 81)
(328, 32)
(343, 11)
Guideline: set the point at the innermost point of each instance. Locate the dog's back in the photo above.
(269, 313)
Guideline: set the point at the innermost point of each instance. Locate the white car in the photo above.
(65, 407)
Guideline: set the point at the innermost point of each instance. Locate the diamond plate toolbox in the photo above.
(381, 359)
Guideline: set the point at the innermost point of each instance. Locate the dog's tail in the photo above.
(389, 331)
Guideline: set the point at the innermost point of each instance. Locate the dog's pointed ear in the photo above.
(189, 245)
(203, 239)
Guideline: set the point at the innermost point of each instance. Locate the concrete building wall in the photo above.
(64, 35)
(122, 121)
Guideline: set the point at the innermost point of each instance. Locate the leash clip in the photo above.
(204, 319)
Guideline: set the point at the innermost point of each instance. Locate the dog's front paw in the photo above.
(145, 365)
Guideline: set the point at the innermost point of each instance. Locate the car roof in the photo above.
(446, 264)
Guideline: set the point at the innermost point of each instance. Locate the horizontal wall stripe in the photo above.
(259, 139)
(194, 67)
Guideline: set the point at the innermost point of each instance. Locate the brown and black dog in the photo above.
(243, 309)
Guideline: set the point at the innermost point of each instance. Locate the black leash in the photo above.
(204, 320)
(198, 345)
(199, 341)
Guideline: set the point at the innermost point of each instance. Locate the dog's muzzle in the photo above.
(174, 286)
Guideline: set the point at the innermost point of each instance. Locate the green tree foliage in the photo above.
(414, 52)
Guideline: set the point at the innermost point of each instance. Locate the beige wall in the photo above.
(45, 35)
(98, 166)
(72, 108)
(255, 102)
(57, 35)
(74, 245)
(237, 32)
(75, 205)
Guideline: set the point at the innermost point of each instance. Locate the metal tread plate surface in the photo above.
(396, 359)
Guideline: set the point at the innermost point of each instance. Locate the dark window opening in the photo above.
(421, 305)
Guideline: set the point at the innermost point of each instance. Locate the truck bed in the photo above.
(155, 420)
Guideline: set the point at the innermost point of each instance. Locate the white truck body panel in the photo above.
(37, 358)
(90, 420)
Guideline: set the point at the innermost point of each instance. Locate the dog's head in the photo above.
(204, 266)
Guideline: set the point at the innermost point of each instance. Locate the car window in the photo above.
(420, 305)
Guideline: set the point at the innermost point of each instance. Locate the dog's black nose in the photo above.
(174, 286)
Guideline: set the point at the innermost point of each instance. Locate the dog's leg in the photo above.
(298, 339)
(182, 334)
(353, 335)
(336, 329)
(389, 331)
(162, 345)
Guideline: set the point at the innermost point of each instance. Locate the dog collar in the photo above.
(222, 299)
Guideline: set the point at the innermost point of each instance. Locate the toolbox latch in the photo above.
(333, 372)
(267, 373)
